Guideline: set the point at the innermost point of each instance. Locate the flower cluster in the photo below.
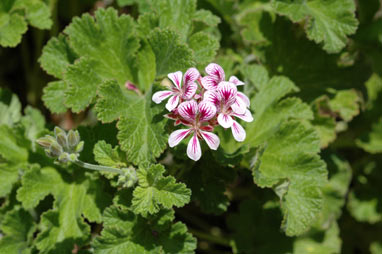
(202, 103)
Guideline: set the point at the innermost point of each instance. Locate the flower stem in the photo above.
(98, 167)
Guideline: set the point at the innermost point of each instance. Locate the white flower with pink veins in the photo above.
(178, 92)
(203, 103)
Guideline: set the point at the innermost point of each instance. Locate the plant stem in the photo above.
(210, 238)
(98, 167)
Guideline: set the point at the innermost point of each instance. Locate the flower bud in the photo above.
(128, 178)
(64, 157)
(73, 139)
(79, 147)
(73, 157)
(58, 130)
(45, 141)
(62, 139)
(55, 149)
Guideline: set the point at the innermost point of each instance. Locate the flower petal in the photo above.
(239, 106)
(190, 76)
(216, 71)
(244, 98)
(227, 92)
(212, 97)
(207, 110)
(158, 97)
(238, 131)
(176, 78)
(236, 81)
(194, 151)
(209, 82)
(211, 139)
(225, 120)
(189, 90)
(247, 116)
(177, 136)
(172, 103)
(188, 110)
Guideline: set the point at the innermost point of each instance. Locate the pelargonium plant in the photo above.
(201, 104)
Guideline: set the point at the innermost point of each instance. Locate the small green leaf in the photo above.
(155, 191)
(104, 154)
(346, 103)
(373, 142)
(10, 108)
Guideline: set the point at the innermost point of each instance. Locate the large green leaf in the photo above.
(72, 200)
(142, 133)
(291, 166)
(328, 22)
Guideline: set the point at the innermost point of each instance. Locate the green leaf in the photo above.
(206, 17)
(125, 232)
(142, 133)
(18, 227)
(108, 41)
(346, 103)
(56, 56)
(114, 101)
(54, 96)
(82, 80)
(10, 108)
(175, 15)
(74, 196)
(328, 22)
(104, 154)
(146, 67)
(14, 15)
(365, 197)
(155, 191)
(373, 142)
(34, 124)
(376, 248)
(10, 148)
(291, 166)
(170, 54)
(9, 175)
(204, 46)
(270, 112)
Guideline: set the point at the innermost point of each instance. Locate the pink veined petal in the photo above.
(207, 110)
(227, 92)
(172, 102)
(211, 139)
(177, 136)
(188, 110)
(209, 82)
(190, 76)
(176, 78)
(238, 131)
(239, 106)
(212, 97)
(194, 151)
(247, 116)
(244, 98)
(236, 81)
(216, 71)
(158, 97)
(225, 120)
(189, 90)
